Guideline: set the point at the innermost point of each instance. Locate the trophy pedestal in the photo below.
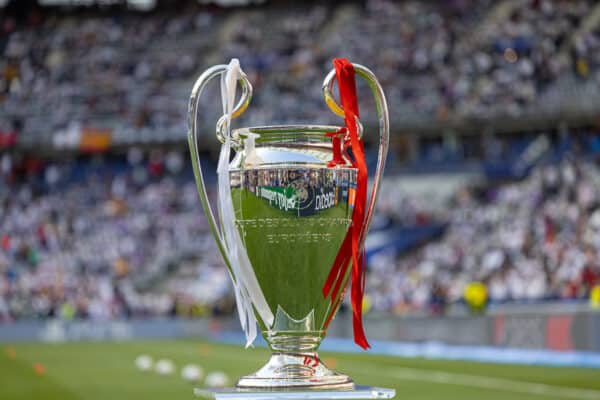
(359, 392)
(297, 371)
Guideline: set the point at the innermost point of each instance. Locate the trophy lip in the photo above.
(293, 165)
(277, 131)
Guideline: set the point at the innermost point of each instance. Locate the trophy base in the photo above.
(295, 370)
(358, 393)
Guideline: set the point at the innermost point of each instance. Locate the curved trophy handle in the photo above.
(240, 107)
(384, 128)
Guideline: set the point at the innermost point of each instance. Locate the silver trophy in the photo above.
(290, 213)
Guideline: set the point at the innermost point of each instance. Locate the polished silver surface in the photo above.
(288, 370)
(284, 132)
(293, 212)
(292, 141)
(359, 392)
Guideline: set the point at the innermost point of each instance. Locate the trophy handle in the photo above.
(240, 107)
(384, 129)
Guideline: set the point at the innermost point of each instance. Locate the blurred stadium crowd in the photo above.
(533, 239)
(132, 72)
(79, 239)
(124, 236)
(104, 239)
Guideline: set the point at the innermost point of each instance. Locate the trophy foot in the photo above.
(297, 371)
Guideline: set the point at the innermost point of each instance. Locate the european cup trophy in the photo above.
(294, 209)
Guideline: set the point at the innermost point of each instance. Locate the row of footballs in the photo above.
(190, 372)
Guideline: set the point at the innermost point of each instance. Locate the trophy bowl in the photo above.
(291, 209)
(293, 213)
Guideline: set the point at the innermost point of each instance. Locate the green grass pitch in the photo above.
(102, 371)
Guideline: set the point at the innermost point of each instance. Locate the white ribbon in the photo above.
(246, 287)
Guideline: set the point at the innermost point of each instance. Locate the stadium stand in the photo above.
(120, 238)
(110, 235)
(534, 239)
(131, 72)
(81, 240)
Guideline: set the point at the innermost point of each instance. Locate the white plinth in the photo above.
(359, 392)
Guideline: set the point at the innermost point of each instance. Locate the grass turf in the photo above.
(102, 370)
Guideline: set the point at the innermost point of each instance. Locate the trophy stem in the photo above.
(300, 370)
(294, 342)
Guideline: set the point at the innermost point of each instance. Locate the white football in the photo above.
(164, 367)
(143, 362)
(192, 373)
(217, 379)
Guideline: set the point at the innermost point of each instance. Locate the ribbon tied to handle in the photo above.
(248, 292)
(351, 251)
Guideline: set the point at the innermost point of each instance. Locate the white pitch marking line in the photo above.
(478, 381)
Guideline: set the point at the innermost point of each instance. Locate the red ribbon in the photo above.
(350, 248)
(336, 144)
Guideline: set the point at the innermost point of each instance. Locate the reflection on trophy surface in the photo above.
(292, 230)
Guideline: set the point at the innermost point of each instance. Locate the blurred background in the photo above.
(485, 245)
